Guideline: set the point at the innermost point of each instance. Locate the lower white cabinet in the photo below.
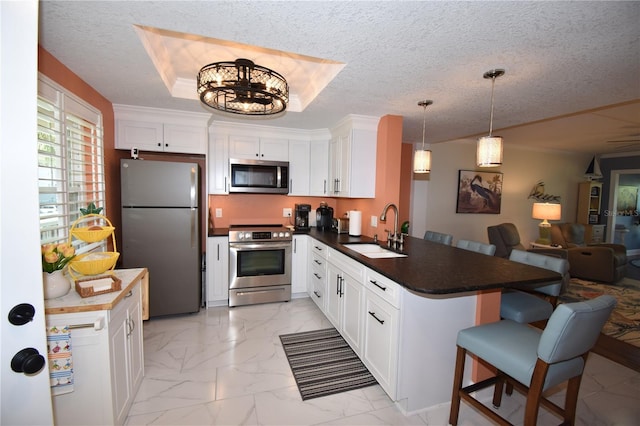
(299, 264)
(317, 273)
(108, 362)
(380, 351)
(217, 285)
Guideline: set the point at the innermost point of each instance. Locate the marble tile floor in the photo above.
(226, 367)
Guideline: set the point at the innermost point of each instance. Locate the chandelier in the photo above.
(422, 157)
(242, 87)
(489, 153)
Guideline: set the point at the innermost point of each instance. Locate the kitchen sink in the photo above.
(373, 251)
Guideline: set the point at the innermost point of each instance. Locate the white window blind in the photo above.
(70, 161)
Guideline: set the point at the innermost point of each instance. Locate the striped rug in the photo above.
(323, 363)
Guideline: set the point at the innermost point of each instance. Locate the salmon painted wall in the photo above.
(256, 208)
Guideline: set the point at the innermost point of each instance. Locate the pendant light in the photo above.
(489, 153)
(422, 157)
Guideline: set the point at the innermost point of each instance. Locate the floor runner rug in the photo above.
(323, 363)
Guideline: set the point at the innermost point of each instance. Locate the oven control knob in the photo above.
(247, 235)
(281, 234)
(286, 234)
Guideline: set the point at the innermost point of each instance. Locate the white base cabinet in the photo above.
(108, 362)
(299, 263)
(217, 284)
(317, 272)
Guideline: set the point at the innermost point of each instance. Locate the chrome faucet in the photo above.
(383, 217)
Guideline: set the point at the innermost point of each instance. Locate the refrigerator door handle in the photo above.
(194, 187)
(194, 227)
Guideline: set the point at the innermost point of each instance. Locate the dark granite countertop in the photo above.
(436, 268)
(439, 269)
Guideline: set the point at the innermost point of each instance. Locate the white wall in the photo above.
(433, 203)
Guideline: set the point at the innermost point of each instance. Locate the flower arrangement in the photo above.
(56, 256)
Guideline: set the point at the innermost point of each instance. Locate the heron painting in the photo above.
(479, 192)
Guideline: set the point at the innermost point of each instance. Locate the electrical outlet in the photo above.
(374, 221)
(286, 212)
(218, 212)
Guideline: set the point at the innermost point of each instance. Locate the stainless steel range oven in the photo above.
(259, 264)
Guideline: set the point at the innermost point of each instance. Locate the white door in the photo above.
(24, 399)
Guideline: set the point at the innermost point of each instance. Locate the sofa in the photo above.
(595, 262)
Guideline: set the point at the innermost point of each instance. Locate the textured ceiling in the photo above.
(565, 61)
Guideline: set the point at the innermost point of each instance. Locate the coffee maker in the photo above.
(302, 217)
(324, 217)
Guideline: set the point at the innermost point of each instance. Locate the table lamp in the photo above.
(546, 211)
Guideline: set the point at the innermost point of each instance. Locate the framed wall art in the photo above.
(479, 192)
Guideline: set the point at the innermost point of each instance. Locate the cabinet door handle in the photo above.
(324, 186)
(374, 282)
(373, 314)
(338, 285)
(341, 286)
(317, 294)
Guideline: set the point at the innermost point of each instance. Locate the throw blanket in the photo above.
(60, 360)
(624, 323)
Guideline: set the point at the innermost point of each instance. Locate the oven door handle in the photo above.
(259, 246)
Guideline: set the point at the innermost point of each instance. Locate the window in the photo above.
(70, 161)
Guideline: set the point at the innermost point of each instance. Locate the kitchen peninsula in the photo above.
(106, 347)
(401, 315)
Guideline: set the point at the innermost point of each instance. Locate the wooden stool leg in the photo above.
(457, 385)
(497, 390)
(571, 400)
(534, 396)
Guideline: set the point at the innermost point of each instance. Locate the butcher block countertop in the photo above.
(73, 303)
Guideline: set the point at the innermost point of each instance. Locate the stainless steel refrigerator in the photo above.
(160, 231)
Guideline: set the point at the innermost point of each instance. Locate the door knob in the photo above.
(22, 314)
(27, 361)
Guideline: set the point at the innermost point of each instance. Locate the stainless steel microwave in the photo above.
(259, 176)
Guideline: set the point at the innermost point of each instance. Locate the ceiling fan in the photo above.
(626, 143)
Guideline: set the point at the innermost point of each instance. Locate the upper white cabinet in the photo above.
(218, 163)
(160, 130)
(352, 157)
(299, 167)
(319, 167)
(258, 148)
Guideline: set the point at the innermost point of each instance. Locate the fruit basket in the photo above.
(95, 228)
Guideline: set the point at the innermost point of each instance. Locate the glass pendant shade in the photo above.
(489, 153)
(422, 157)
(422, 161)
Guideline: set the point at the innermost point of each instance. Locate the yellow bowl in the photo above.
(92, 235)
(94, 263)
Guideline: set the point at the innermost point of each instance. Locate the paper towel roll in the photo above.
(355, 223)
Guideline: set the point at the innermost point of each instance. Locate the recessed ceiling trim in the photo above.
(178, 57)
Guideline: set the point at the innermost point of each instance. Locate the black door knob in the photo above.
(22, 314)
(27, 361)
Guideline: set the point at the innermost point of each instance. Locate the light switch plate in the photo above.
(218, 212)
(286, 212)
(374, 221)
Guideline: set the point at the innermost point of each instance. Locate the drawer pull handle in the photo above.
(129, 294)
(317, 294)
(373, 314)
(317, 276)
(317, 248)
(374, 282)
(317, 262)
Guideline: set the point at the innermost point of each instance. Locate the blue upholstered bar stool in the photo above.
(438, 237)
(488, 249)
(528, 307)
(532, 360)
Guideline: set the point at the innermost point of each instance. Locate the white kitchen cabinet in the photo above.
(258, 148)
(299, 172)
(159, 130)
(319, 167)
(217, 284)
(380, 350)
(218, 163)
(345, 297)
(317, 282)
(127, 361)
(107, 350)
(352, 158)
(299, 263)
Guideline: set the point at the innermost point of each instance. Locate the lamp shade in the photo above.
(489, 152)
(547, 211)
(422, 161)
